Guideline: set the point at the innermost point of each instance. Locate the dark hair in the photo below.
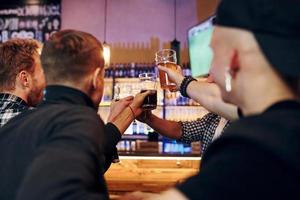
(16, 55)
(70, 55)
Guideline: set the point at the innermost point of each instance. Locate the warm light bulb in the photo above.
(106, 54)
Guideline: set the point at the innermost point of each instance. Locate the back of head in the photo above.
(70, 55)
(16, 55)
(275, 26)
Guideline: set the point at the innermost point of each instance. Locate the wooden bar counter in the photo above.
(149, 173)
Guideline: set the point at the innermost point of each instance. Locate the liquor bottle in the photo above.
(132, 70)
(188, 68)
(126, 73)
(141, 128)
(137, 70)
(111, 70)
(134, 127)
(116, 70)
(121, 70)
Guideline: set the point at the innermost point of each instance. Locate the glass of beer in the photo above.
(148, 82)
(166, 58)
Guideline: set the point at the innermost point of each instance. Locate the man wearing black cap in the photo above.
(256, 64)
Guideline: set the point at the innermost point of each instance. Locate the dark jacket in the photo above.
(57, 151)
(257, 157)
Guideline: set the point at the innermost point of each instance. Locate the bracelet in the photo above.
(132, 111)
(184, 84)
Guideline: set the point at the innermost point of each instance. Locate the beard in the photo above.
(36, 94)
(35, 97)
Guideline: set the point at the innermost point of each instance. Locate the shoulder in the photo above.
(267, 125)
(56, 120)
(274, 134)
(76, 118)
(255, 130)
(69, 112)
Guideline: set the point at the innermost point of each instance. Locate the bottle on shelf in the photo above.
(186, 70)
(141, 128)
(132, 70)
(111, 71)
(134, 127)
(137, 70)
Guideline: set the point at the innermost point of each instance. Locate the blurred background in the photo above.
(133, 30)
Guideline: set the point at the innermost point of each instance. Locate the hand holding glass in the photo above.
(166, 58)
(148, 82)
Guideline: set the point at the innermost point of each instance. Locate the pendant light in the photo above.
(175, 44)
(106, 48)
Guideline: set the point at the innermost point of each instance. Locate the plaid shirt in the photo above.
(10, 106)
(204, 129)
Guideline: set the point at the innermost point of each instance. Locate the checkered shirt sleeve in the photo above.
(202, 129)
(10, 106)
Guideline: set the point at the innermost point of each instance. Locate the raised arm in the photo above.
(205, 93)
(167, 128)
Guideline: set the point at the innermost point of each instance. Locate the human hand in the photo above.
(137, 102)
(174, 75)
(116, 107)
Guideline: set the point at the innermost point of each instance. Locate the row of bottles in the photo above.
(132, 88)
(175, 99)
(165, 146)
(129, 70)
(132, 70)
(185, 114)
(128, 89)
(172, 146)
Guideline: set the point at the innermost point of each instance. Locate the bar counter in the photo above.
(149, 173)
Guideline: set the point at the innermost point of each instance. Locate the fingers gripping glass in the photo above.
(148, 83)
(166, 58)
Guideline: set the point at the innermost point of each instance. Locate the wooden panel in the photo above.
(167, 164)
(148, 175)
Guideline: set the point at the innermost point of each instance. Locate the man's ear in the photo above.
(234, 63)
(96, 80)
(24, 79)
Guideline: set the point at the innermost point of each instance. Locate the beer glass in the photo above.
(148, 82)
(166, 58)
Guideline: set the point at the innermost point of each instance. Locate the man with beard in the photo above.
(22, 78)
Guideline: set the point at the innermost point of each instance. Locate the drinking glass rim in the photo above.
(165, 50)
